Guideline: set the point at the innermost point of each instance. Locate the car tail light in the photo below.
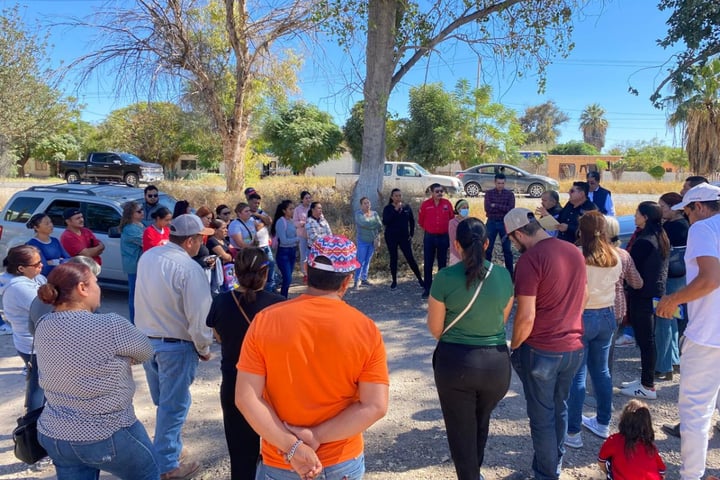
(1, 228)
(460, 175)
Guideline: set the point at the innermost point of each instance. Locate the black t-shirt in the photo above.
(226, 319)
(213, 242)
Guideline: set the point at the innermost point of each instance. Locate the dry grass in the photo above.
(632, 187)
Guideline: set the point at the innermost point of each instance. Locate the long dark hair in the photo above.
(392, 192)
(653, 225)
(471, 235)
(313, 205)
(128, 210)
(636, 427)
(251, 270)
(181, 208)
(279, 212)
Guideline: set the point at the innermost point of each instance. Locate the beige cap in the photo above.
(517, 218)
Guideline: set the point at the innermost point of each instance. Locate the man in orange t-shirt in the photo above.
(312, 374)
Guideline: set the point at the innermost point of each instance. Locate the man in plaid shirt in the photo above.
(498, 202)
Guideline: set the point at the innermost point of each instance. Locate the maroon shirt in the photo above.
(554, 272)
(435, 218)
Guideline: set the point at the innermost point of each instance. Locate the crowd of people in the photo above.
(295, 407)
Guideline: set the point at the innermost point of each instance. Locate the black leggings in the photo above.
(393, 243)
(642, 319)
(470, 381)
(242, 441)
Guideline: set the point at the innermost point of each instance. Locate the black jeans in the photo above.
(470, 381)
(434, 245)
(242, 441)
(642, 319)
(393, 242)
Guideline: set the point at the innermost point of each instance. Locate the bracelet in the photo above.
(289, 455)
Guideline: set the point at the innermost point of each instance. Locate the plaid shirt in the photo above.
(498, 203)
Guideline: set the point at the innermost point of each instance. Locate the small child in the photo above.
(631, 454)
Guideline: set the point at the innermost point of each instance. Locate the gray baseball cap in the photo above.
(188, 224)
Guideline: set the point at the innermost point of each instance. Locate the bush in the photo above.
(657, 172)
(574, 148)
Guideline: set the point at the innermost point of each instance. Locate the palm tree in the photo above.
(593, 125)
(697, 112)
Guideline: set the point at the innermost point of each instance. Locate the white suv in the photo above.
(101, 206)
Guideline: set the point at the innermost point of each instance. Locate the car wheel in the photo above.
(72, 177)
(536, 190)
(472, 189)
(132, 179)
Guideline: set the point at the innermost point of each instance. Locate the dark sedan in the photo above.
(481, 178)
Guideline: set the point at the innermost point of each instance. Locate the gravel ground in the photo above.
(409, 443)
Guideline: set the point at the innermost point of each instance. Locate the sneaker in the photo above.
(634, 383)
(5, 329)
(184, 471)
(367, 283)
(591, 423)
(393, 285)
(624, 340)
(672, 430)
(639, 391)
(574, 440)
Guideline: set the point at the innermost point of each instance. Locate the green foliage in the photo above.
(574, 147)
(657, 172)
(395, 134)
(433, 127)
(643, 156)
(540, 123)
(353, 130)
(300, 136)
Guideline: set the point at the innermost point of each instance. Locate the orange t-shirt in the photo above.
(313, 351)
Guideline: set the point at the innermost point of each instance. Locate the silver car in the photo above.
(481, 178)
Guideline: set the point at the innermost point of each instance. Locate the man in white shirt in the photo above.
(172, 301)
(699, 382)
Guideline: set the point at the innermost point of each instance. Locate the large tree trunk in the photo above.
(234, 153)
(380, 67)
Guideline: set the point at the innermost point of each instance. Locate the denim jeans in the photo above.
(353, 469)
(270, 285)
(34, 394)
(303, 249)
(127, 454)
(365, 251)
(434, 245)
(286, 264)
(546, 378)
(599, 327)
(495, 228)
(169, 373)
(132, 280)
(667, 347)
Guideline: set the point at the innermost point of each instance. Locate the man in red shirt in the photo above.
(550, 288)
(78, 240)
(434, 217)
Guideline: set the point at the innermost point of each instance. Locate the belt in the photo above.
(169, 340)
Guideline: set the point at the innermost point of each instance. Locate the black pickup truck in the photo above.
(111, 166)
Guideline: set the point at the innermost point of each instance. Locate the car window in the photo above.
(510, 172)
(102, 158)
(21, 209)
(99, 218)
(487, 170)
(388, 169)
(407, 171)
(56, 209)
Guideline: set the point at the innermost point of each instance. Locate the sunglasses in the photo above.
(36, 265)
(155, 195)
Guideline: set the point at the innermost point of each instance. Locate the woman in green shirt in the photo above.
(471, 361)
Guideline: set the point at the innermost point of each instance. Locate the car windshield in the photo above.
(420, 169)
(129, 158)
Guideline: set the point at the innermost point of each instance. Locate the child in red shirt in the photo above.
(631, 454)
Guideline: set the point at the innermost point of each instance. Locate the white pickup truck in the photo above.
(407, 176)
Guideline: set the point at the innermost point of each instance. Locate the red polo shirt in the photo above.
(435, 218)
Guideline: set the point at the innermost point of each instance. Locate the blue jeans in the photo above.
(127, 454)
(34, 394)
(599, 327)
(365, 252)
(169, 373)
(132, 280)
(667, 334)
(434, 245)
(353, 469)
(495, 228)
(286, 264)
(546, 378)
(270, 285)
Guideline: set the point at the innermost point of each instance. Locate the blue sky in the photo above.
(615, 46)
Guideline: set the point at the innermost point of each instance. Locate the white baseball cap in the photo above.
(699, 193)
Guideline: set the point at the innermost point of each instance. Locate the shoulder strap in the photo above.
(470, 303)
(232, 292)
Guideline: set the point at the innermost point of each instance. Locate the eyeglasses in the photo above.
(152, 195)
(36, 265)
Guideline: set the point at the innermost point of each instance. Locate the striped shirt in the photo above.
(84, 364)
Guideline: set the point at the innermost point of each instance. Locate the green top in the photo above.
(367, 227)
(484, 323)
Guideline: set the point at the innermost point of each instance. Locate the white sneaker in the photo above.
(591, 423)
(634, 383)
(574, 440)
(5, 329)
(639, 391)
(624, 340)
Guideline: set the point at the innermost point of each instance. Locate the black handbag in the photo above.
(25, 436)
(676, 266)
